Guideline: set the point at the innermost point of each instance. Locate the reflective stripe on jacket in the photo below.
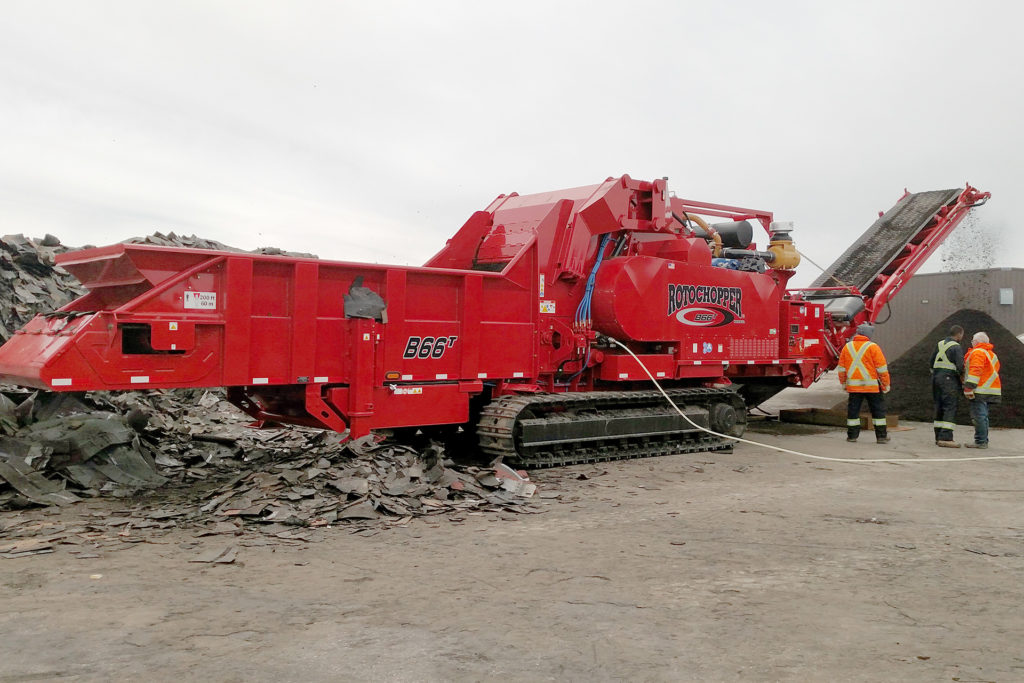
(942, 361)
(983, 371)
(862, 367)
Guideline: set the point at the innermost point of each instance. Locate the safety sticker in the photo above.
(201, 300)
(540, 287)
(547, 306)
(407, 391)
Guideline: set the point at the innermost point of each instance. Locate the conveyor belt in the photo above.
(884, 240)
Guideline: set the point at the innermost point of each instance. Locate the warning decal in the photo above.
(201, 300)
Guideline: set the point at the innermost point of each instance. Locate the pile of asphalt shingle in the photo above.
(192, 242)
(30, 282)
(191, 452)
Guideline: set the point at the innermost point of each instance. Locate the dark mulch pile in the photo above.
(911, 395)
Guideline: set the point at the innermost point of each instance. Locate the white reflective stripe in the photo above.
(942, 361)
(983, 352)
(944, 425)
(841, 368)
(60, 382)
(882, 368)
(857, 363)
(987, 387)
(853, 422)
(878, 421)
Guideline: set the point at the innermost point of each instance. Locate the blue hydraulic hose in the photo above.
(583, 310)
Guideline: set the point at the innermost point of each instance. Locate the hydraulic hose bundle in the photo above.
(583, 310)
(582, 320)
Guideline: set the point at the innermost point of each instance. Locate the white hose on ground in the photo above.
(792, 452)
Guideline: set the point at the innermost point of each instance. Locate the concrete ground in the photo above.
(825, 393)
(752, 565)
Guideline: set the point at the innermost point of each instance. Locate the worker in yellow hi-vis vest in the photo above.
(864, 374)
(947, 373)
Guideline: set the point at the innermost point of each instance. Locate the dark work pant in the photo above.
(945, 393)
(876, 403)
(979, 416)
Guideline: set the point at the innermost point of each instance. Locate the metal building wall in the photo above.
(927, 299)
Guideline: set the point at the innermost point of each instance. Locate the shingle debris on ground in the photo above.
(186, 457)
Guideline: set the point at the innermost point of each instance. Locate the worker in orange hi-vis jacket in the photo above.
(981, 385)
(864, 375)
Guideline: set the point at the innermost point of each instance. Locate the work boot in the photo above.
(976, 445)
(948, 444)
(883, 439)
(849, 440)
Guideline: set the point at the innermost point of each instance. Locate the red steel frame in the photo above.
(496, 311)
(892, 278)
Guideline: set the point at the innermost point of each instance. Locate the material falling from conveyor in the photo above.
(884, 242)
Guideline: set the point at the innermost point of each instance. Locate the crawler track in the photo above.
(550, 430)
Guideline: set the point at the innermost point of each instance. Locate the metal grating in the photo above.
(743, 348)
(885, 239)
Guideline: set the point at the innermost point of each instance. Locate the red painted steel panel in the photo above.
(620, 368)
(304, 323)
(173, 335)
(237, 321)
(515, 301)
(272, 289)
(271, 351)
(331, 349)
(700, 306)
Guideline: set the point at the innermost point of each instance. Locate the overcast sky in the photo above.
(370, 131)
